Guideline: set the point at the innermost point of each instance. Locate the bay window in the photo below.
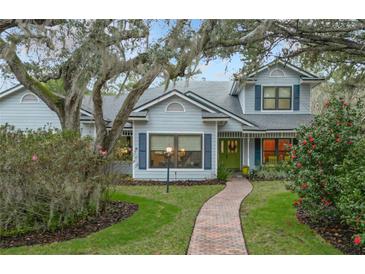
(275, 150)
(277, 98)
(186, 153)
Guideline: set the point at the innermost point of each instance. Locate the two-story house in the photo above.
(210, 123)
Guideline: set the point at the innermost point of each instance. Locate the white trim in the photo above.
(248, 152)
(284, 64)
(31, 94)
(16, 88)
(138, 118)
(168, 95)
(277, 69)
(175, 102)
(173, 132)
(133, 151)
(85, 112)
(223, 111)
(277, 110)
(215, 119)
(216, 150)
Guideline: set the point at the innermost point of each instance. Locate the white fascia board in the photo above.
(168, 95)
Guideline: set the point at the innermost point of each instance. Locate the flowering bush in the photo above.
(47, 180)
(351, 181)
(322, 148)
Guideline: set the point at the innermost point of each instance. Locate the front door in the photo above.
(229, 153)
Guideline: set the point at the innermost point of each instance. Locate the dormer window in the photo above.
(277, 98)
(175, 107)
(29, 98)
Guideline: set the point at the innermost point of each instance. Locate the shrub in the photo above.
(47, 180)
(271, 172)
(322, 147)
(223, 173)
(351, 181)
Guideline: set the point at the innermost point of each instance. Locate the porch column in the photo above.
(248, 151)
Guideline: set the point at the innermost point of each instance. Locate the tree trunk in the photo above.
(128, 105)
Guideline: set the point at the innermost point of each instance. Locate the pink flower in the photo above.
(357, 240)
(34, 157)
(298, 165)
(103, 152)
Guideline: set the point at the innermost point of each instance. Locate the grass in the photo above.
(162, 225)
(270, 225)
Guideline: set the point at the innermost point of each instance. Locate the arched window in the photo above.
(29, 98)
(175, 107)
(277, 73)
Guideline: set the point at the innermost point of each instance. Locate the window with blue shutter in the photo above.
(207, 151)
(257, 97)
(142, 156)
(296, 97)
(257, 152)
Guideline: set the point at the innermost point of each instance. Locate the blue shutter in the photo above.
(258, 97)
(257, 152)
(207, 151)
(142, 151)
(296, 97)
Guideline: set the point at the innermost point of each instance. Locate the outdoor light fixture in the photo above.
(168, 156)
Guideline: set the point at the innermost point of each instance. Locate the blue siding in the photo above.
(33, 115)
(263, 78)
(26, 115)
(189, 121)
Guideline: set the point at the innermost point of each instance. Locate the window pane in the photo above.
(284, 103)
(189, 143)
(189, 159)
(269, 157)
(175, 107)
(269, 144)
(269, 103)
(158, 159)
(284, 92)
(283, 155)
(160, 142)
(269, 92)
(189, 154)
(283, 144)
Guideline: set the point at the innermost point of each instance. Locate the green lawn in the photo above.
(270, 225)
(162, 225)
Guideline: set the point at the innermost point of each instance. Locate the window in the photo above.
(187, 150)
(175, 107)
(277, 98)
(275, 150)
(277, 73)
(29, 98)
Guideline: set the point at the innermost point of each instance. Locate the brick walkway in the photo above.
(217, 229)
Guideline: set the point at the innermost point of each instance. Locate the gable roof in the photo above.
(299, 70)
(85, 110)
(169, 94)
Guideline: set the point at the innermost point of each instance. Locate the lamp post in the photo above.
(168, 156)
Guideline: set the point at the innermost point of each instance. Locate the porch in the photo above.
(253, 148)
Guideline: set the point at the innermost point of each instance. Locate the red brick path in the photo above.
(218, 228)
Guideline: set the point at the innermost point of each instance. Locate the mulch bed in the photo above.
(131, 182)
(337, 234)
(113, 213)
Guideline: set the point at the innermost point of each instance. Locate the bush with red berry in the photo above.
(318, 162)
